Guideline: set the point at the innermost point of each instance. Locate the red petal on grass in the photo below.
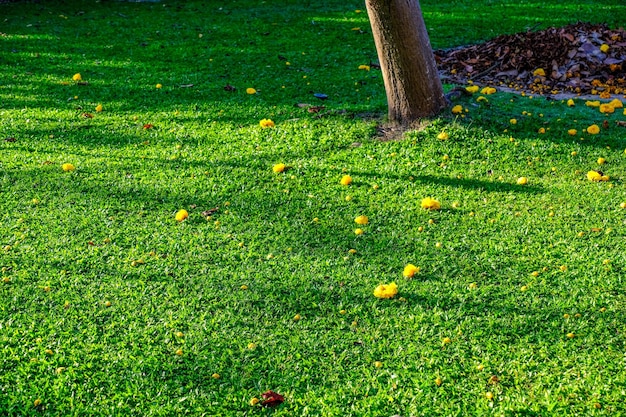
(148, 126)
(272, 399)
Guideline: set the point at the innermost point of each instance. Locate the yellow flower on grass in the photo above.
(571, 102)
(593, 129)
(250, 90)
(472, 89)
(346, 180)
(607, 108)
(278, 168)
(457, 109)
(386, 290)
(364, 67)
(594, 176)
(594, 103)
(358, 232)
(443, 135)
(266, 123)
(572, 132)
(616, 104)
(597, 176)
(488, 90)
(181, 215)
(410, 270)
(159, 86)
(361, 220)
(429, 203)
(68, 167)
(99, 108)
(542, 130)
(513, 121)
(522, 181)
(77, 77)
(601, 161)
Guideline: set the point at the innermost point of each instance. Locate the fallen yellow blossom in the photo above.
(429, 203)
(593, 129)
(410, 270)
(266, 123)
(386, 290)
(539, 72)
(278, 168)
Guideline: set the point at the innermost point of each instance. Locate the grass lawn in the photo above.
(110, 306)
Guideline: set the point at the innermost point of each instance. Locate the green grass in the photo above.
(72, 242)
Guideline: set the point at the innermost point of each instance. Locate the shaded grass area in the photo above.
(111, 307)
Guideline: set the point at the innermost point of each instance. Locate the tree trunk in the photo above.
(407, 62)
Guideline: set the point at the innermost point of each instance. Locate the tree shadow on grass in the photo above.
(469, 183)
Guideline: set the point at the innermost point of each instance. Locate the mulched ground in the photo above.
(582, 58)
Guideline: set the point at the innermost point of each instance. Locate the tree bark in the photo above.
(407, 62)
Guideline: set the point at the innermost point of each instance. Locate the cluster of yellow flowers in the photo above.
(606, 108)
(391, 290)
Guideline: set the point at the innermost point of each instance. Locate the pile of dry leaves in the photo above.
(582, 58)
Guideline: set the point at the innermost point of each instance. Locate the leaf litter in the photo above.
(577, 59)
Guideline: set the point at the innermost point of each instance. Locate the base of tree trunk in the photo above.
(406, 59)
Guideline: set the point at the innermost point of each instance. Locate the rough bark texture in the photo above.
(407, 62)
